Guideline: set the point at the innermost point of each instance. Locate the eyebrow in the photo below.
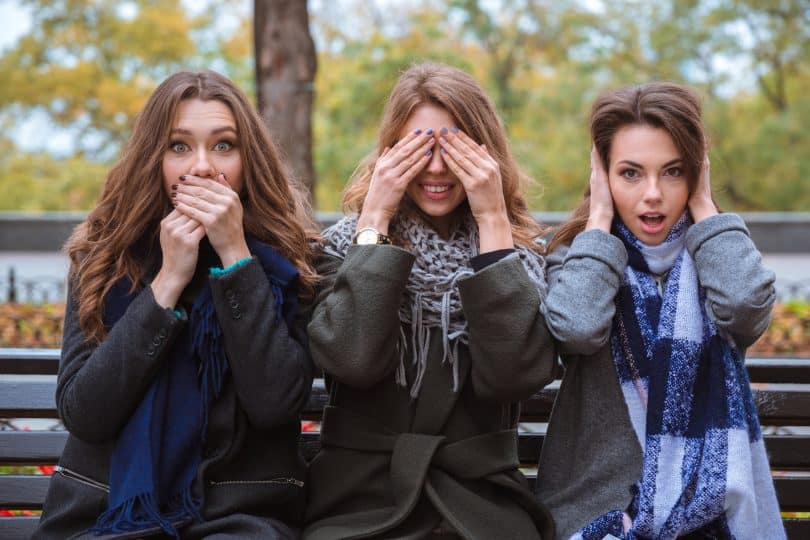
(640, 166)
(214, 131)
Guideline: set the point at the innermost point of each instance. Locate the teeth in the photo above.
(436, 189)
(654, 219)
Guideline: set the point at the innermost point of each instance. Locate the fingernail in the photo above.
(417, 131)
(429, 153)
(183, 177)
(455, 130)
(443, 131)
(174, 194)
(429, 132)
(174, 186)
(224, 177)
(442, 150)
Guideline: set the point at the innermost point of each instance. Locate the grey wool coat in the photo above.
(591, 456)
(396, 467)
(251, 478)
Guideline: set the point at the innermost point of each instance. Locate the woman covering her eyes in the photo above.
(184, 355)
(653, 297)
(429, 330)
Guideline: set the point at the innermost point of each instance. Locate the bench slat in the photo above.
(24, 396)
(18, 527)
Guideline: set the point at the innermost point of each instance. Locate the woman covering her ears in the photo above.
(429, 329)
(653, 297)
(184, 356)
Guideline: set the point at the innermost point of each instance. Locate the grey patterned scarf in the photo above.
(432, 298)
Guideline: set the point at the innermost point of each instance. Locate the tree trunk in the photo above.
(285, 75)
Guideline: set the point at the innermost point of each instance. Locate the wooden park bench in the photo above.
(27, 384)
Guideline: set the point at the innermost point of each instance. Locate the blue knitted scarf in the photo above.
(705, 472)
(157, 453)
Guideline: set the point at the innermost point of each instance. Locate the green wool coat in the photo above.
(396, 467)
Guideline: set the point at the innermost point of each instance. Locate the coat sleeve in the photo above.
(100, 385)
(583, 281)
(512, 353)
(270, 364)
(739, 290)
(355, 324)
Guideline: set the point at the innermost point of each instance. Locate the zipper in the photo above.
(73, 475)
(293, 481)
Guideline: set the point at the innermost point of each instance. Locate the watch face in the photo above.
(367, 236)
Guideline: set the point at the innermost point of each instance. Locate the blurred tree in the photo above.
(285, 74)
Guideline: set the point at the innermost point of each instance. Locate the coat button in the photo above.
(234, 304)
(150, 351)
(155, 341)
(236, 314)
(229, 294)
(163, 333)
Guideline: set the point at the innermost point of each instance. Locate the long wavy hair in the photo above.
(123, 231)
(473, 112)
(666, 105)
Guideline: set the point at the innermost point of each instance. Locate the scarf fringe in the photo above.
(143, 511)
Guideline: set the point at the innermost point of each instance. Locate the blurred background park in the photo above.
(75, 73)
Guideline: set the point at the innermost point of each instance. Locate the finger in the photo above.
(453, 154)
(409, 138)
(418, 153)
(397, 155)
(222, 180)
(411, 172)
(196, 208)
(210, 184)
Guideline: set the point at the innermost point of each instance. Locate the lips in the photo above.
(436, 191)
(652, 223)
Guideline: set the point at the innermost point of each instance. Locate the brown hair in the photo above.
(669, 106)
(124, 227)
(463, 98)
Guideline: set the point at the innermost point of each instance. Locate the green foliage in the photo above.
(90, 65)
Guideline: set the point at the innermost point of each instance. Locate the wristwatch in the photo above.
(370, 236)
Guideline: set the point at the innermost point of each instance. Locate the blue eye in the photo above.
(223, 146)
(178, 147)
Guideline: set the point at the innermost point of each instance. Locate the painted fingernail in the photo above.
(429, 132)
(183, 177)
(174, 194)
(455, 130)
(174, 187)
(417, 131)
(442, 150)
(429, 153)
(443, 131)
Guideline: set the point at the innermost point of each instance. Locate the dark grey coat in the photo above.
(591, 455)
(395, 467)
(251, 466)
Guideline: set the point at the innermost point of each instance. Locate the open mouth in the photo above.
(652, 220)
(436, 189)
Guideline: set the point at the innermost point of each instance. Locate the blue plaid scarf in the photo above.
(157, 453)
(705, 471)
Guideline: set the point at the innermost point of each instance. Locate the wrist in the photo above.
(375, 220)
(234, 253)
(166, 289)
(494, 233)
(600, 219)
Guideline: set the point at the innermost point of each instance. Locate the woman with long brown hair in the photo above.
(653, 297)
(429, 329)
(184, 360)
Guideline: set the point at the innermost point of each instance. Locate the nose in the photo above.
(436, 164)
(202, 165)
(652, 190)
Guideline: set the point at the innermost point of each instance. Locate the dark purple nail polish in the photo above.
(429, 153)
(429, 132)
(183, 177)
(455, 130)
(443, 131)
(417, 131)
(174, 194)
(442, 150)
(174, 187)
